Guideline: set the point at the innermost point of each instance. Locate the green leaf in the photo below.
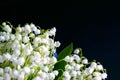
(60, 66)
(59, 75)
(65, 52)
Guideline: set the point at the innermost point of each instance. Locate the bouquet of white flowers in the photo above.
(29, 53)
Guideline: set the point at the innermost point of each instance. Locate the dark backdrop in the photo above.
(93, 26)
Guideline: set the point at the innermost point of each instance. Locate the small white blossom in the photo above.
(2, 38)
(1, 59)
(12, 36)
(77, 67)
(99, 67)
(53, 60)
(96, 74)
(18, 36)
(88, 71)
(8, 70)
(76, 57)
(74, 73)
(7, 56)
(27, 28)
(21, 61)
(46, 69)
(103, 75)
(97, 78)
(37, 31)
(93, 65)
(1, 71)
(42, 75)
(51, 76)
(27, 70)
(25, 39)
(15, 73)
(7, 76)
(67, 75)
(7, 28)
(21, 76)
(33, 27)
(85, 61)
(76, 51)
(55, 72)
(57, 43)
(52, 32)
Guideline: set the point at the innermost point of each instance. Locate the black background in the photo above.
(92, 25)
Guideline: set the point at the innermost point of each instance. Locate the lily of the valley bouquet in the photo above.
(29, 53)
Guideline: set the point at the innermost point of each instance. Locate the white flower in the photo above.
(32, 35)
(1, 59)
(19, 29)
(7, 56)
(7, 28)
(7, 76)
(76, 57)
(90, 77)
(77, 67)
(46, 69)
(18, 36)
(93, 65)
(1, 71)
(15, 73)
(8, 70)
(51, 76)
(76, 51)
(25, 39)
(96, 74)
(27, 28)
(85, 61)
(74, 73)
(55, 72)
(78, 73)
(2, 38)
(57, 44)
(88, 71)
(42, 75)
(16, 52)
(7, 37)
(103, 75)
(26, 70)
(12, 36)
(71, 59)
(53, 60)
(99, 67)
(97, 78)
(37, 31)
(68, 67)
(33, 27)
(67, 75)
(52, 32)
(37, 78)
(16, 45)
(21, 76)
(21, 61)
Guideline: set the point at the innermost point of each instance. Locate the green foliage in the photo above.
(60, 65)
(65, 52)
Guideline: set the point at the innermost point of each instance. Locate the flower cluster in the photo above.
(29, 53)
(26, 53)
(78, 68)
